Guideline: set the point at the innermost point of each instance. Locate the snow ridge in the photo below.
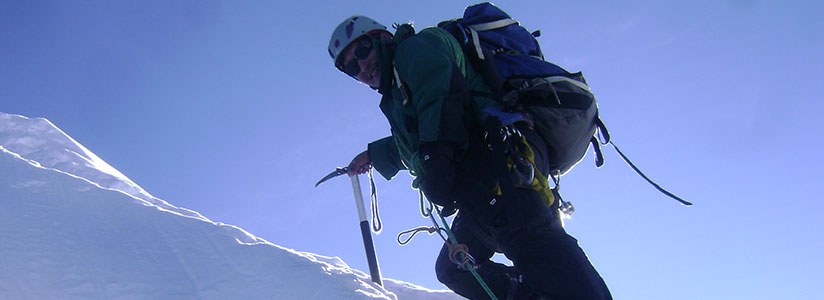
(73, 227)
(39, 140)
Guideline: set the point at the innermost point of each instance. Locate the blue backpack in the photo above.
(559, 104)
(491, 36)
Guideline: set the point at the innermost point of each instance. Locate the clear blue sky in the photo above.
(234, 109)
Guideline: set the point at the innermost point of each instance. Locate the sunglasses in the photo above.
(352, 67)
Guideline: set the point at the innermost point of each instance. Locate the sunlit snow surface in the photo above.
(73, 227)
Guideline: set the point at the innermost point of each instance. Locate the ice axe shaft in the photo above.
(368, 245)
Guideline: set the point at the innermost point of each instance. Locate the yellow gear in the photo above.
(541, 182)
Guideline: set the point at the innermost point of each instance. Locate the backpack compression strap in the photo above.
(473, 32)
(596, 144)
(554, 79)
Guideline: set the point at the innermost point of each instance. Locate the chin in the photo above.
(374, 84)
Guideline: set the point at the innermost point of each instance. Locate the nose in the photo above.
(363, 64)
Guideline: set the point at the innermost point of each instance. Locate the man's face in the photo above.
(360, 60)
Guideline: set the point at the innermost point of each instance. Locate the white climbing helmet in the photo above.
(349, 30)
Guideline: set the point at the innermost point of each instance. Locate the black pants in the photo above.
(547, 261)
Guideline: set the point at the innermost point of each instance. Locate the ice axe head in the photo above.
(336, 173)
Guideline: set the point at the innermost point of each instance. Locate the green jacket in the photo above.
(439, 82)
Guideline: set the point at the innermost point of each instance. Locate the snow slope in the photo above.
(73, 227)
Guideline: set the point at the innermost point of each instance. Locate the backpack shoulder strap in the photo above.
(401, 86)
(402, 32)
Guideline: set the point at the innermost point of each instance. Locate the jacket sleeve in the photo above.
(384, 156)
(429, 63)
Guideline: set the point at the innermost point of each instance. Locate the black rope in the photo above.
(660, 189)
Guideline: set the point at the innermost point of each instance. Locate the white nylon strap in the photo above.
(400, 85)
(493, 25)
(473, 31)
(477, 43)
(397, 77)
(577, 83)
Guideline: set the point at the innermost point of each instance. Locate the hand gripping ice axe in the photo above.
(371, 258)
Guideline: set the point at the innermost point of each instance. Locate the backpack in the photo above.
(559, 104)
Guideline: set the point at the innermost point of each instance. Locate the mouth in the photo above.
(373, 73)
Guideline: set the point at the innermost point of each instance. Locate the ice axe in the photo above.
(371, 258)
